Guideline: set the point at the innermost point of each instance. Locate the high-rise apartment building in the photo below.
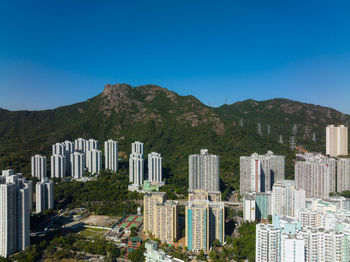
(136, 169)
(92, 144)
(68, 150)
(292, 248)
(267, 243)
(249, 207)
(160, 217)
(155, 168)
(343, 174)
(58, 166)
(316, 176)
(77, 162)
(44, 195)
(94, 160)
(137, 148)
(258, 173)
(39, 166)
(336, 140)
(14, 214)
(256, 206)
(111, 155)
(204, 222)
(286, 199)
(80, 144)
(166, 221)
(136, 166)
(58, 149)
(204, 171)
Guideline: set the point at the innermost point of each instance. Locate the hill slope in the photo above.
(173, 125)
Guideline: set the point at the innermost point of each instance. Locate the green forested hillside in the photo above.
(172, 125)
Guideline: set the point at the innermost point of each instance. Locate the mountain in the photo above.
(168, 123)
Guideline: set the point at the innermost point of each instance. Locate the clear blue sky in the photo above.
(59, 52)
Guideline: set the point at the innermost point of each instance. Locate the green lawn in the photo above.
(92, 232)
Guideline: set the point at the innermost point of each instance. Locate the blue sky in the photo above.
(54, 53)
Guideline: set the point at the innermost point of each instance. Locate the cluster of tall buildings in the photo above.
(136, 168)
(320, 232)
(75, 158)
(15, 207)
(204, 214)
(308, 224)
(320, 175)
(16, 201)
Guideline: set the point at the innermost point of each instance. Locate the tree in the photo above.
(201, 256)
(216, 243)
(137, 254)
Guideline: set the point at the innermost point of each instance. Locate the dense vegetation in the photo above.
(172, 125)
(71, 246)
(107, 195)
(244, 245)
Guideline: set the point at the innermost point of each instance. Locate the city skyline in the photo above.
(287, 50)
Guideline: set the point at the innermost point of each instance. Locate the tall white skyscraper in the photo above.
(14, 214)
(77, 162)
(136, 169)
(94, 160)
(58, 149)
(58, 166)
(136, 165)
(39, 166)
(204, 171)
(155, 167)
(44, 195)
(80, 145)
(336, 140)
(92, 144)
(258, 173)
(137, 148)
(111, 155)
(343, 174)
(68, 150)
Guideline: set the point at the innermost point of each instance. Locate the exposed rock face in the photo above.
(137, 104)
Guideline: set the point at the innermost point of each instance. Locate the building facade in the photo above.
(286, 200)
(136, 169)
(160, 217)
(94, 160)
(39, 166)
(316, 176)
(77, 162)
(58, 166)
(343, 174)
(204, 223)
(204, 171)
(44, 195)
(14, 214)
(68, 150)
(80, 145)
(258, 173)
(155, 168)
(336, 140)
(58, 149)
(111, 155)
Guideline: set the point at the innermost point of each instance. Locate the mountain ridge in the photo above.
(168, 123)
